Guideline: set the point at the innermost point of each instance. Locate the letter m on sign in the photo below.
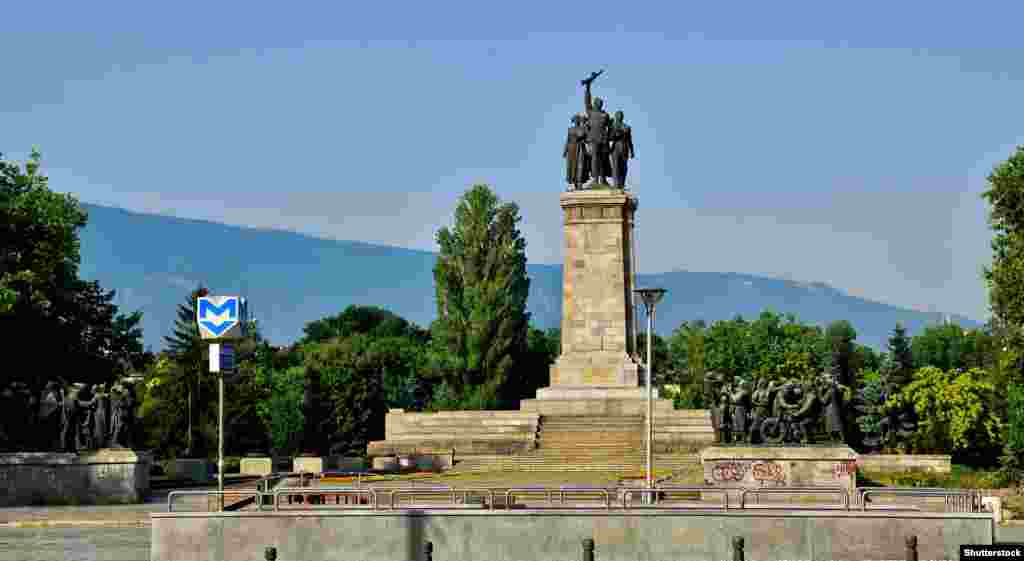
(219, 317)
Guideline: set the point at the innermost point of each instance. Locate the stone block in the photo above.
(385, 463)
(766, 467)
(308, 465)
(96, 477)
(256, 466)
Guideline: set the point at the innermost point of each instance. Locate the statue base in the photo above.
(105, 476)
(766, 467)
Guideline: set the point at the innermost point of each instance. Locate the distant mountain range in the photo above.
(290, 279)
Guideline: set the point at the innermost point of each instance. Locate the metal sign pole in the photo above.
(221, 318)
(220, 452)
(215, 369)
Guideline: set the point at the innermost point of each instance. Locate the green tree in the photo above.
(1005, 278)
(350, 372)
(281, 410)
(841, 336)
(185, 347)
(687, 363)
(901, 357)
(481, 287)
(39, 244)
(951, 346)
(41, 293)
(727, 350)
(162, 400)
(533, 370)
(952, 409)
(370, 320)
(1013, 451)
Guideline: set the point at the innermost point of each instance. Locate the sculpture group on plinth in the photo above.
(787, 411)
(597, 146)
(67, 417)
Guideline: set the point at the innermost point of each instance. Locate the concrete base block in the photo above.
(767, 467)
(109, 475)
(256, 466)
(308, 465)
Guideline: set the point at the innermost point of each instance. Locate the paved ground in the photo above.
(74, 544)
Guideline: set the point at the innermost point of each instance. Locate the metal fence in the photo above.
(659, 497)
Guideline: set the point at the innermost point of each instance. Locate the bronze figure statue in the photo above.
(622, 149)
(575, 153)
(597, 147)
(598, 130)
(101, 421)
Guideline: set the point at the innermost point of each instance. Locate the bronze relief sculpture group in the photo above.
(65, 417)
(597, 146)
(775, 411)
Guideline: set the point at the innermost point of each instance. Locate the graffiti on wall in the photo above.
(844, 469)
(768, 472)
(728, 471)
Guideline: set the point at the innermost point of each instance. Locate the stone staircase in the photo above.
(583, 443)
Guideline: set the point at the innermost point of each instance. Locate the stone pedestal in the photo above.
(106, 476)
(596, 363)
(760, 467)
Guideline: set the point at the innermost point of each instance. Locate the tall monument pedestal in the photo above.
(596, 373)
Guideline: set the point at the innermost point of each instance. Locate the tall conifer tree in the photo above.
(481, 288)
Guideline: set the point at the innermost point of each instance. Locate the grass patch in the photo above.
(1013, 507)
(960, 477)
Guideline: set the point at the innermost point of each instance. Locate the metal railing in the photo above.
(627, 495)
(797, 490)
(487, 495)
(955, 500)
(342, 491)
(236, 492)
(550, 492)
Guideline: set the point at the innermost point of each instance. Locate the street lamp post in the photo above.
(650, 297)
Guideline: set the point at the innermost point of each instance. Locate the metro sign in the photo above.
(220, 317)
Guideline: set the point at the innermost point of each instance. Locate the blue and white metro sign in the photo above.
(220, 317)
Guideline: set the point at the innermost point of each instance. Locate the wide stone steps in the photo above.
(535, 461)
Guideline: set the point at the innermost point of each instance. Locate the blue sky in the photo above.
(846, 144)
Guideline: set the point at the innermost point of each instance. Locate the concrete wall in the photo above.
(100, 477)
(557, 536)
(938, 463)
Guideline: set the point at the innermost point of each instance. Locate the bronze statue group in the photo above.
(65, 417)
(597, 146)
(775, 411)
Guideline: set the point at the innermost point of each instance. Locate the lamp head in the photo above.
(650, 296)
